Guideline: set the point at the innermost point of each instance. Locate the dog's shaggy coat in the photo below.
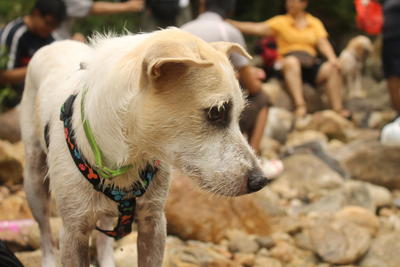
(352, 60)
(164, 96)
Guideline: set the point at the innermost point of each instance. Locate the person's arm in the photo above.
(13, 76)
(252, 28)
(104, 8)
(326, 49)
(249, 80)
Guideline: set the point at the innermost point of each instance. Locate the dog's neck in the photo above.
(107, 125)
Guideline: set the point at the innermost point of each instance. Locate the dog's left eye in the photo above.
(219, 115)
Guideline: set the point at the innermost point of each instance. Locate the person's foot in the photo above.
(272, 168)
(301, 111)
(344, 113)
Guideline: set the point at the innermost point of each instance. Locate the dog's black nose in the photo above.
(256, 181)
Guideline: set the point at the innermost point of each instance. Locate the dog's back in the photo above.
(48, 70)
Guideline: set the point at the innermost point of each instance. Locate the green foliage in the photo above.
(10, 9)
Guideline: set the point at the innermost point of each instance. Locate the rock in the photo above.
(358, 194)
(372, 162)
(244, 259)
(306, 177)
(127, 240)
(267, 261)
(15, 207)
(357, 134)
(381, 196)
(359, 216)
(270, 148)
(352, 193)
(9, 122)
(329, 123)
(11, 163)
(195, 253)
(283, 251)
(126, 256)
(241, 242)
(34, 258)
(378, 119)
(277, 95)
(338, 241)
(279, 124)
(31, 258)
(192, 214)
(265, 242)
(384, 251)
(298, 138)
(4, 193)
(396, 202)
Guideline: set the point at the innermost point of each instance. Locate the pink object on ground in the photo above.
(15, 226)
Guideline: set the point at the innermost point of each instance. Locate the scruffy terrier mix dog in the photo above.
(352, 60)
(131, 108)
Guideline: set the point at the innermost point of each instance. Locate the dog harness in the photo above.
(125, 197)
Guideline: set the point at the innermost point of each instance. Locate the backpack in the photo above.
(369, 16)
(268, 51)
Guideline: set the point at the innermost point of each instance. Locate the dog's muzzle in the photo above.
(256, 181)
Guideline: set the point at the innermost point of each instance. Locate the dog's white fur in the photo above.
(147, 99)
(352, 60)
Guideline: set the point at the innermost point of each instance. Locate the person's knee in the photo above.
(291, 63)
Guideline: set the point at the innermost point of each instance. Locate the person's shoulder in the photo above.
(234, 35)
(194, 24)
(278, 18)
(313, 19)
(13, 31)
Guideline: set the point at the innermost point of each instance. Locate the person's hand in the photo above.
(134, 5)
(335, 62)
(259, 73)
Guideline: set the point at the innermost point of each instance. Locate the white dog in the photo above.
(352, 60)
(138, 105)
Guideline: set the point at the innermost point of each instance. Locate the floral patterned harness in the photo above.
(125, 197)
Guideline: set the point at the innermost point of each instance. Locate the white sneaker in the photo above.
(272, 168)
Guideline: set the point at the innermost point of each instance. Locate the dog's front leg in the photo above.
(75, 246)
(104, 244)
(152, 222)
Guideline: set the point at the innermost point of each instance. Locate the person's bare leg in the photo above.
(258, 131)
(292, 73)
(331, 78)
(394, 90)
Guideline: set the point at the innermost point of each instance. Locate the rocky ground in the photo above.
(337, 203)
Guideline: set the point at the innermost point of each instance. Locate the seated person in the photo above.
(299, 37)
(19, 40)
(211, 27)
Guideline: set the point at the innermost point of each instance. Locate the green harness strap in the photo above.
(104, 171)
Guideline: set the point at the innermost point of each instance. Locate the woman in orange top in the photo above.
(299, 37)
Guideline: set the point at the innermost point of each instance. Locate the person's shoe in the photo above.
(272, 168)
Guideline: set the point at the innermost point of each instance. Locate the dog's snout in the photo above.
(256, 181)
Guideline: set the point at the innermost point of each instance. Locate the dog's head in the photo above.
(361, 46)
(189, 106)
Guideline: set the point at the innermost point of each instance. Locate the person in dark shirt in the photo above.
(21, 38)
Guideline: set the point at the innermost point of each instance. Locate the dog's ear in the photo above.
(227, 48)
(163, 66)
